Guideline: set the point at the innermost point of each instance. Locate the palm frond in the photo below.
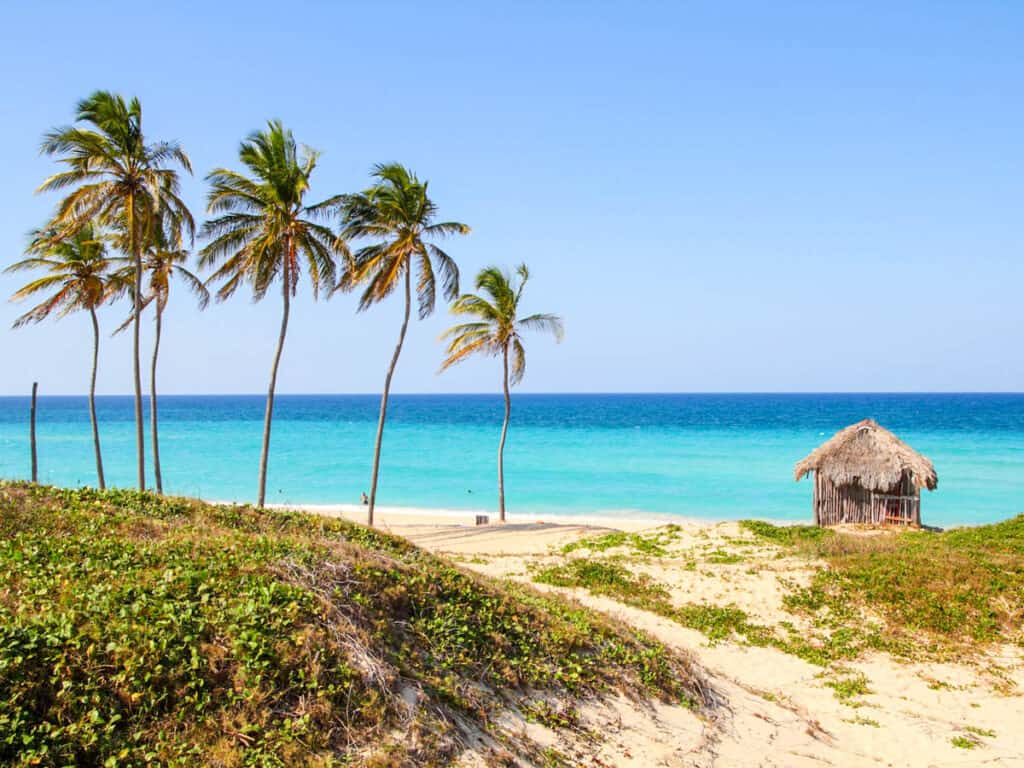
(517, 367)
(544, 322)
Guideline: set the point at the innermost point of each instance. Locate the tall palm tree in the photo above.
(266, 231)
(78, 277)
(398, 214)
(119, 180)
(165, 257)
(497, 333)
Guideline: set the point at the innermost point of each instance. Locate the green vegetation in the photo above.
(543, 712)
(397, 215)
(721, 557)
(860, 720)
(602, 577)
(267, 231)
(79, 276)
(935, 592)
(789, 535)
(165, 257)
(611, 579)
(847, 689)
(987, 732)
(119, 180)
(122, 189)
(496, 333)
(964, 742)
(137, 630)
(651, 544)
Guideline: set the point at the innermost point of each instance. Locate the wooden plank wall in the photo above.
(852, 504)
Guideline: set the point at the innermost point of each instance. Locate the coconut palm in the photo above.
(496, 333)
(399, 216)
(78, 277)
(266, 231)
(165, 258)
(118, 180)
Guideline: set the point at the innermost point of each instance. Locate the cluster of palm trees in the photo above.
(122, 230)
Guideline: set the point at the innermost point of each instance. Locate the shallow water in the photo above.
(707, 456)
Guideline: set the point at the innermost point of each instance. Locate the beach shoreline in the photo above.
(389, 516)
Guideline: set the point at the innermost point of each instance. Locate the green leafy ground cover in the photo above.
(716, 622)
(911, 593)
(653, 544)
(142, 630)
(937, 592)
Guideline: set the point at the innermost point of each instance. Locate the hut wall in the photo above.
(835, 504)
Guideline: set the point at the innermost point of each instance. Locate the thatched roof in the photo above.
(871, 456)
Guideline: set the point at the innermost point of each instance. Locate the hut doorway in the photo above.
(901, 506)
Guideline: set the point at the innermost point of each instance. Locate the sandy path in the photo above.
(780, 711)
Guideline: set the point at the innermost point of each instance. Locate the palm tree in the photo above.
(265, 230)
(118, 180)
(399, 215)
(165, 258)
(497, 333)
(79, 277)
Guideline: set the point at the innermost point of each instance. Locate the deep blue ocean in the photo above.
(712, 456)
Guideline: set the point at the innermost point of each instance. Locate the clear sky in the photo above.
(717, 196)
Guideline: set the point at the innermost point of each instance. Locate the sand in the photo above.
(778, 709)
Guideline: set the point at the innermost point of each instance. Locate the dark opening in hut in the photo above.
(865, 474)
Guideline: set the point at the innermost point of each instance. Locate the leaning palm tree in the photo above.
(398, 214)
(78, 277)
(497, 333)
(164, 259)
(266, 231)
(118, 180)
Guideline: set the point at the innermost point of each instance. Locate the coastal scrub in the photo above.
(137, 630)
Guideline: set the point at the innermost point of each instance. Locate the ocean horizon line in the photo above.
(559, 393)
(700, 455)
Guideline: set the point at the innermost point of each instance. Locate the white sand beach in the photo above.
(780, 709)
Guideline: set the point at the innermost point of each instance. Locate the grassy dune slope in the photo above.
(136, 629)
(948, 592)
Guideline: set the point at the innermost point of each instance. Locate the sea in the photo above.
(706, 456)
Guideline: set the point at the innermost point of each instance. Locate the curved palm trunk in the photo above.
(501, 444)
(152, 402)
(384, 397)
(268, 416)
(32, 433)
(140, 447)
(92, 398)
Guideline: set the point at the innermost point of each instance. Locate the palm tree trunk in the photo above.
(268, 416)
(140, 447)
(92, 398)
(32, 433)
(501, 444)
(152, 401)
(384, 398)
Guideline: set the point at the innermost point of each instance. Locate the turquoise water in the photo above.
(708, 456)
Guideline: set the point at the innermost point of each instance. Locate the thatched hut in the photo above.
(865, 474)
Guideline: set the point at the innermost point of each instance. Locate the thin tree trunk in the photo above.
(32, 432)
(268, 416)
(140, 447)
(92, 398)
(152, 401)
(384, 398)
(501, 444)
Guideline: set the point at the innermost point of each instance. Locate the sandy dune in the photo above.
(778, 709)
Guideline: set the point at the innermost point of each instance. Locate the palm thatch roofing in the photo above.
(871, 456)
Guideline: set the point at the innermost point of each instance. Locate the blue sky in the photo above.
(717, 196)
